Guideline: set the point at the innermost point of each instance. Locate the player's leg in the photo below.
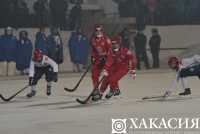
(96, 70)
(119, 73)
(49, 76)
(185, 86)
(102, 89)
(117, 91)
(39, 71)
(187, 72)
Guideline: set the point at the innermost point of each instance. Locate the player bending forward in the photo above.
(184, 68)
(42, 64)
(119, 62)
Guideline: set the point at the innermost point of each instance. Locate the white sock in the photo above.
(33, 88)
(184, 83)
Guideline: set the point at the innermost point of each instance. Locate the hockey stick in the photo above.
(88, 98)
(76, 86)
(11, 97)
(153, 97)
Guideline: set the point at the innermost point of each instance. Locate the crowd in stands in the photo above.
(161, 12)
(53, 13)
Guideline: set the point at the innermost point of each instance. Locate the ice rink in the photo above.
(61, 114)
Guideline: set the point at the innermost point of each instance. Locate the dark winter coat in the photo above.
(78, 48)
(8, 46)
(41, 42)
(154, 42)
(24, 53)
(140, 41)
(55, 49)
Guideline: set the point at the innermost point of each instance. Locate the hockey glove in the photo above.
(93, 60)
(103, 61)
(167, 94)
(132, 74)
(105, 73)
(30, 81)
(55, 77)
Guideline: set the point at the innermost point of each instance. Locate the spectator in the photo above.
(41, 41)
(55, 46)
(125, 37)
(58, 10)
(75, 16)
(24, 53)
(8, 52)
(21, 13)
(154, 44)
(140, 41)
(79, 49)
(41, 12)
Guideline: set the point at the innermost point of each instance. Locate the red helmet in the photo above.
(116, 42)
(173, 62)
(99, 30)
(37, 55)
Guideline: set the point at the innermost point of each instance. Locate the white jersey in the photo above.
(46, 61)
(187, 62)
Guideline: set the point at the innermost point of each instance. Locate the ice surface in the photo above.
(61, 114)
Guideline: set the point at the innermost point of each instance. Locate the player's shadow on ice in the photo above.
(172, 99)
(50, 104)
(21, 99)
(80, 106)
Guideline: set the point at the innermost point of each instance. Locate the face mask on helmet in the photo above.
(99, 34)
(98, 31)
(115, 46)
(37, 55)
(173, 63)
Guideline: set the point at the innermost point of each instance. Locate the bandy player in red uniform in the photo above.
(101, 45)
(120, 61)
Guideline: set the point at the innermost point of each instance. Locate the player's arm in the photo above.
(197, 58)
(52, 63)
(173, 85)
(93, 52)
(132, 61)
(31, 72)
(109, 61)
(32, 69)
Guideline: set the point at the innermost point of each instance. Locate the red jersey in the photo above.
(100, 47)
(123, 57)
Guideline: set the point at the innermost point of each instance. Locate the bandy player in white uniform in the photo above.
(186, 67)
(42, 64)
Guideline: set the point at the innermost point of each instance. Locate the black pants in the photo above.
(190, 71)
(155, 57)
(40, 71)
(142, 56)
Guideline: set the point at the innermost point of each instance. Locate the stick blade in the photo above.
(69, 90)
(81, 101)
(3, 98)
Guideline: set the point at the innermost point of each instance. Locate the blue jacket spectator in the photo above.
(24, 51)
(41, 41)
(78, 48)
(8, 46)
(55, 46)
(1, 50)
